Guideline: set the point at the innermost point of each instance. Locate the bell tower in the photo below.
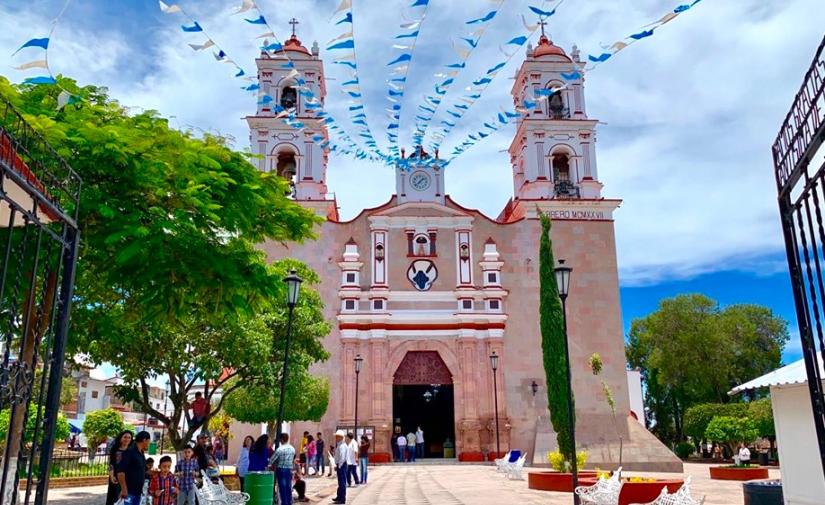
(291, 87)
(553, 153)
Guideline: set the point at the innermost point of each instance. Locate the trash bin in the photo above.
(763, 459)
(153, 448)
(449, 449)
(260, 486)
(763, 492)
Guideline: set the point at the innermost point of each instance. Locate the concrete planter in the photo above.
(550, 480)
(738, 473)
(474, 457)
(380, 457)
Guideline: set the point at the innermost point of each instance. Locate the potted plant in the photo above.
(731, 432)
(560, 478)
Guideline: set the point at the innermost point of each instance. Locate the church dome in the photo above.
(547, 48)
(293, 44)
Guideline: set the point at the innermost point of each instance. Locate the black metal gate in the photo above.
(39, 197)
(799, 160)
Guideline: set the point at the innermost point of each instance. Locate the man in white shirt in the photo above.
(352, 460)
(744, 455)
(341, 467)
(419, 442)
(402, 446)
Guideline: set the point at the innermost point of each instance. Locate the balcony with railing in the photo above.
(566, 189)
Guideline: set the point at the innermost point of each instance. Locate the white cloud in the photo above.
(690, 113)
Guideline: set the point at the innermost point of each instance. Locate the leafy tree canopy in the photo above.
(99, 425)
(731, 431)
(170, 279)
(61, 432)
(761, 412)
(699, 416)
(692, 351)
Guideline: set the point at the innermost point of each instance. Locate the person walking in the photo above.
(119, 446)
(283, 461)
(341, 467)
(131, 471)
(352, 460)
(242, 465)
(401, 442)
(259, 454)
(419, 442)
(311, 455)
(411, 447)
(186, 470)
(320, 454)
(364, 457)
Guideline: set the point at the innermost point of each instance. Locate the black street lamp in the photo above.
(494, 364)
(563, 283)
(165, 404)
(293, 289)
(359, 362)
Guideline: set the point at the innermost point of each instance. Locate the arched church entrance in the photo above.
(422, 396)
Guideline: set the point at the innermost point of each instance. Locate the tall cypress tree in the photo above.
(552, 342)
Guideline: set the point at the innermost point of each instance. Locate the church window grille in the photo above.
(378, 304)
(492, 277)
(349, 305)
(494, 305)
(350, 277)
(467, 304)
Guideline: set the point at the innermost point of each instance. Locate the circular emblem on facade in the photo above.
(420, 180)
(422, 274)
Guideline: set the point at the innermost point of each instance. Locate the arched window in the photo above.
(421, 245)
(556, 106)
(561, 167)
(287, 168)
(289, 97)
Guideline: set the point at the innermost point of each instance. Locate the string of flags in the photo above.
(193, 26)
(65, 97)
(460, 107)
(644, 32)
(464, 47)
(351, 88)
(575, 75)
(400, 67)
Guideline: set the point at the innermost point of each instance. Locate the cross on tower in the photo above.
(542, 22)
(293, 22)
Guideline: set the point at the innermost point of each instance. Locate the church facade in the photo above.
(425, 290)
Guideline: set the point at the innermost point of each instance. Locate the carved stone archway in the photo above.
(422, 368)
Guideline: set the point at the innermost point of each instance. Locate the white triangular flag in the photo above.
(345, 4)
(245, 6)
(63, 99)
(168, 9)
(267, 34)
(340, 37)
(33, 64)
(205, 45)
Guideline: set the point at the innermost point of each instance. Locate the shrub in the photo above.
(731, 431)
(699, 416)
(684, 449)
(558, 462)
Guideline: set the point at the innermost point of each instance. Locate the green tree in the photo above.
(731, 431)
(691, 351)
(170, 279)
(699, 416)
(99, 425)
(61, 432)
(552, 343)
(761, 412)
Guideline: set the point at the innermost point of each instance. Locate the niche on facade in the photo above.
(286, 166)
(289, 97)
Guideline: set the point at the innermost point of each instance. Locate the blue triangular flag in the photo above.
(41, 43)
(43, 79)
(400, 59)
(641, 35)
(347, 44)
(542, 13)
(260, 21)
(194, 28)
(598, 59)
(490, 15)
(347, 19)
(518, 40)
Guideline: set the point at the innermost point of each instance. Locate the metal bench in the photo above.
(604, 492)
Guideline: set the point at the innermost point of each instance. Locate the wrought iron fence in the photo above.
(39, 197)
(66, 465)
(799, 162)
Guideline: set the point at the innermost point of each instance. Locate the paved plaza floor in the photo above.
(411, 484)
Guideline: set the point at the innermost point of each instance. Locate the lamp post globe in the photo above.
(563, 279)
(293, 290)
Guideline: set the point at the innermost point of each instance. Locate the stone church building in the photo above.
(425, 290)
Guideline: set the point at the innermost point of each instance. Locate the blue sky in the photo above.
(688, 115)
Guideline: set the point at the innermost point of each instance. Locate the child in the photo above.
(150, 469)
(163, 487)
(186, 470)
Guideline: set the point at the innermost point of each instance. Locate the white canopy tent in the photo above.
(803, 482)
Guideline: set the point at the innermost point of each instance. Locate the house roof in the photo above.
(790, 374)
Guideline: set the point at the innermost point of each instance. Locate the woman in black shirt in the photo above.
(119, 446)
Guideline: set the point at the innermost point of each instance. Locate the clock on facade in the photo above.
(420, 180)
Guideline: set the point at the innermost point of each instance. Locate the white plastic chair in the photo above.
(604, 492)
(500, 462)
(514, 469)
(680, 497)
(217, 493)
